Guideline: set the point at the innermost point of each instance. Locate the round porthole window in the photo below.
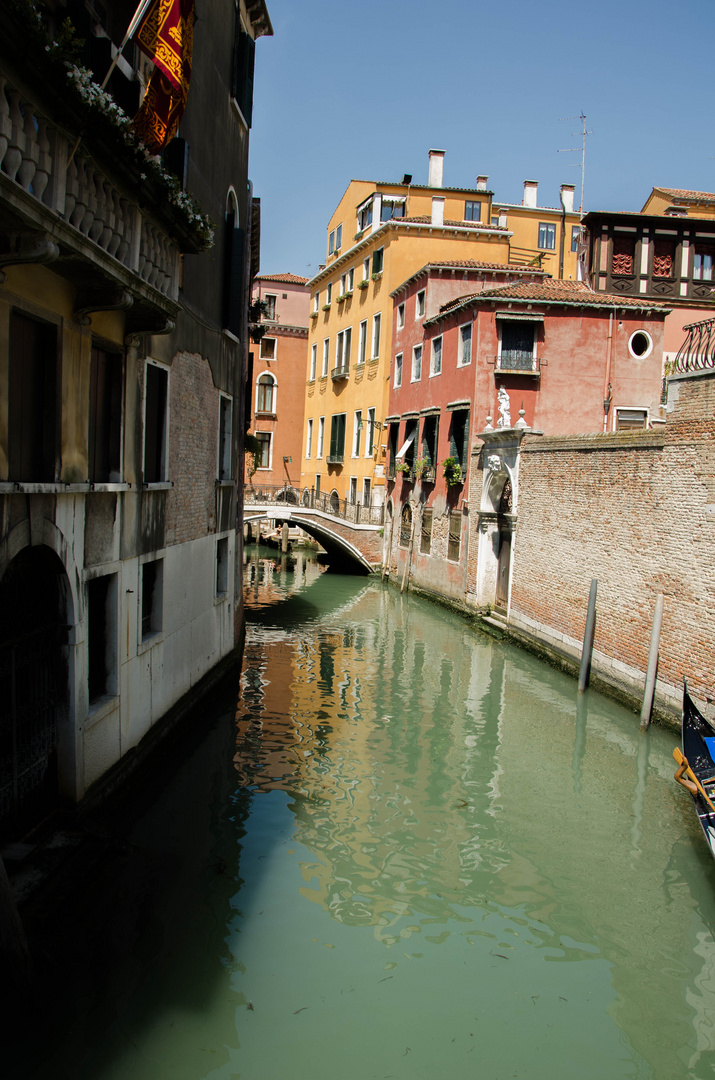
(640, 344)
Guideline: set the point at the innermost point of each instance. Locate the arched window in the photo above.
(232, 266)
(266, 394)
(406, 525)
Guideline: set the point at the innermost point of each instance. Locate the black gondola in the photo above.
(696, 765)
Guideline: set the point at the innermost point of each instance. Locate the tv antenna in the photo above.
(574, 150)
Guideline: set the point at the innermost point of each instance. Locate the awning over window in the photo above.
(519, 316)
(407, 444)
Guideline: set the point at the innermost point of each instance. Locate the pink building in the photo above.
(545, 354)
(277, 378)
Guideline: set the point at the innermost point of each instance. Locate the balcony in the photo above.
(340, 373)
(517, 362)
(101, 223)
(335, 459)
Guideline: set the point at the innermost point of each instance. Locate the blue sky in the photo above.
(365, 89)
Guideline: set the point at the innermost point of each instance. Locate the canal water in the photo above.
(407, 852)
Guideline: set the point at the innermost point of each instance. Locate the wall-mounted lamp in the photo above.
(287, 460)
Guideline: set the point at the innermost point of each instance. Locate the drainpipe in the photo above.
(607, 384)
(563, 237)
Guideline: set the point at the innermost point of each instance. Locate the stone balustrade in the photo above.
(34, 154)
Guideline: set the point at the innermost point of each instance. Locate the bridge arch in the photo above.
(340, 548)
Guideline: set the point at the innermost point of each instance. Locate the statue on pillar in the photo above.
(504, 420)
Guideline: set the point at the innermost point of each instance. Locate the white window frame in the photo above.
(166, 421)
(309, 438)
(398, 370)
(416, 367)
(362, 342)
(420, 304)
(352, 495)
(342, 349)
(261, 354)
(331, 242)
(313, 361)
(366, 269)
(269, 466)
(376, 327)
(316, 300)
(343, 284)
(618, 409)
(370, 433)
(321, 437)
(549, 228)
(329, 293)
(326, 357)
(649, 349)
(274, 393)
(351, 279)
(461, 362)
(225, 412)
(366, 491)
(357, 429)
(435, 363)
(338, 238)
(401, 315)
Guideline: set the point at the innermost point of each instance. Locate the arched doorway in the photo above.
(504, 550)
(33, 686)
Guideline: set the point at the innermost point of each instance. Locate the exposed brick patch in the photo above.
(193, 449)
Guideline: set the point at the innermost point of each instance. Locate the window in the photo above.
(232, 300)
(376, 319)
(351, 279)
(703, 263)
(420, 303)
(268, 348)
(631, 419)
(225, 409)
(32, 401)
(321, 436)
(364, 215)
(342, 350)
(459, 437)
(102, 636)
(264, 449)
(436, 361)
(398, 370)
(357, 432)
(370, 436)
(416, 363)
(317, 484)
(400, 316)
(575, 237)
(338, 238)
(362, 342)
(326, 356)
(465, 345)
(663, 258)
(270, 302)
(378, 258)
(337, 438)
(622, 258)
(331, 243)
(222, 566)
(392, 451)
(105, 416)
(152, 597)
(366, 493)
(407, 451)
(640, 344)
(472, 211)
(265, 394)
(155, 423)
(547, 235)
(366, 269)
(406, 525)
(343, 284)
(430, 429)
(316, 301)
(516, 346)
(309, 439)
(455, 535)
(243, 64)
(313, 361)
(352, 497)
(392, 208)
(329, 293)
(426, 532)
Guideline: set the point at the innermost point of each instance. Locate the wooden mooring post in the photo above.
(588, 638)
(647, 706)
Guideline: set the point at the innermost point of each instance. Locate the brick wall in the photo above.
(193, 449)
(637, 512)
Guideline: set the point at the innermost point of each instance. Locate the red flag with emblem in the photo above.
(166, 36)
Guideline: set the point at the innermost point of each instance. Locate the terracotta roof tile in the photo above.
(425, 219)
(693, 196)
(283, 279)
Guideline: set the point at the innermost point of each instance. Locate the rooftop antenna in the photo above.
(575, 149)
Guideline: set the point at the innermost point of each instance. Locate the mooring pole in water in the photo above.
(652, 663)
(284, 537)
(588, 638)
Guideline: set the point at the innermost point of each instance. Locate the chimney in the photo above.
(502, 219)
(482, 183)
(530, 187)
(567, 192)
(436, 168)
(437, 210)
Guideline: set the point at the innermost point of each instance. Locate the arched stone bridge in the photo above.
(348, 532)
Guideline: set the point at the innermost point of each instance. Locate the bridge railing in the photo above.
(310, 499)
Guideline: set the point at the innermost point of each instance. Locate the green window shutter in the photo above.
(341, 434)
(377, 261)
(243, 65)
(333, 436)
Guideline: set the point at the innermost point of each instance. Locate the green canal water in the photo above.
(407, 852)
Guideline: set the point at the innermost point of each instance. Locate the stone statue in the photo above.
(504, 420)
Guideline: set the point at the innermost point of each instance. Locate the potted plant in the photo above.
(452, 471)
(363, 284)
(424, 469)
(405, 469)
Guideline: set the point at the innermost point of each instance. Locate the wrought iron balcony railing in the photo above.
(518, 361)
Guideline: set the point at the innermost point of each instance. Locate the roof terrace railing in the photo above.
(697, 353)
